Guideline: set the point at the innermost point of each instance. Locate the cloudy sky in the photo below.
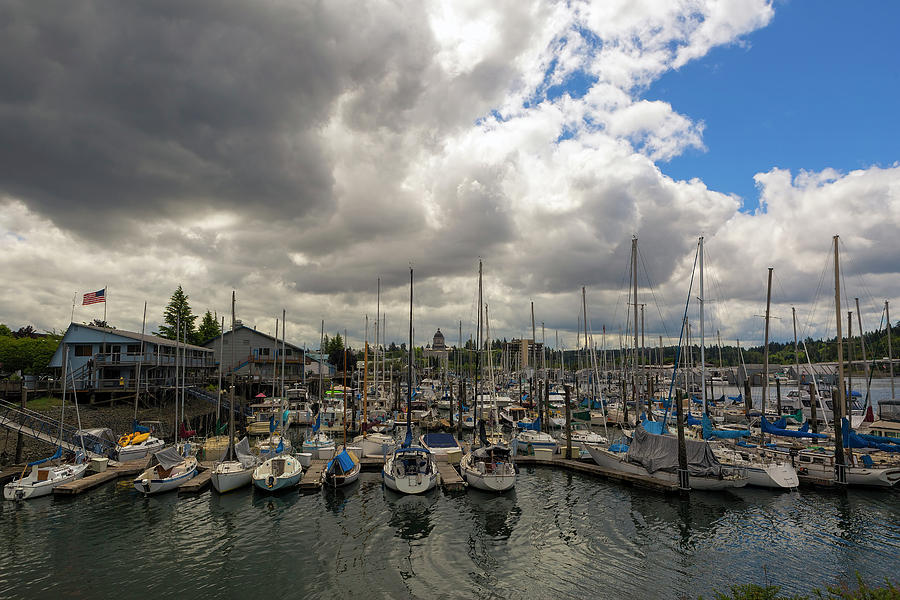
(296, 151)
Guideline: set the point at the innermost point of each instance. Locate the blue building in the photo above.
(105, 359)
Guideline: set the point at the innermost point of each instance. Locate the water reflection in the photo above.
(410, 514)
(494, 514)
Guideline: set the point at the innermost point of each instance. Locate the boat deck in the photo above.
(125, 469)
(595, 469)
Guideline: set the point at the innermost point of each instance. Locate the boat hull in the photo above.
(488, 482)
(226, 477)
(148, 483)
(416, 483)
(613, 462)
(270, 477)
(136, 451)
(26, 489)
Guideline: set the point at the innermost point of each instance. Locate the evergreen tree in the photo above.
(209, 328)
(178, 305)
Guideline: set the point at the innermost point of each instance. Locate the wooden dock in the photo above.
(594, 469)
(125, 469)
(199, 483)
(450, 479)
(312, 476)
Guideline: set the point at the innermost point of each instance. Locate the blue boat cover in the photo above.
(318, 423)
(137, 428)
(780, 423)
(692, 420)
(737, 398)
(533, 426)
(344, 459)
(772, 430)
(271, 423)
(440, 440)
(879, 439)
(852, 440)
(56, 455)
(709, 432)
(618, 448)
(855, 394)
(654, 427)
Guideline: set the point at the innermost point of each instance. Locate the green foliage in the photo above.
(5, 331)
(178, 306)
(30, 355)
(209, 328)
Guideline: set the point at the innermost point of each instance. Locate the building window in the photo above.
(263, 351)
(84, 350)
(134, 348)
(287, 352)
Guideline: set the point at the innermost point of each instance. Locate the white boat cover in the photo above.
(242, 453)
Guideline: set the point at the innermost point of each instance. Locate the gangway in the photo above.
(46, 429)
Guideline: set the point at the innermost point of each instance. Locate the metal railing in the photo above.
(47, 429)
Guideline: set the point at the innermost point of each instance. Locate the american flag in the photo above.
(94, 297)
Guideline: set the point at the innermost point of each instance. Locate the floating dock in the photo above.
(312, 476)
(450, 479)
(595, 469)
(198, 483)
(125, 469)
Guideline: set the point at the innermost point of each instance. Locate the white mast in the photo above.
(702, 336)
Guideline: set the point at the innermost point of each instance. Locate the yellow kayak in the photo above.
(132, 438)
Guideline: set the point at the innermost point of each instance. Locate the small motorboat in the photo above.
(44, 477)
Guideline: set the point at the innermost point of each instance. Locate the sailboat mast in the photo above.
(635, 300)
(765, 393)
(221, 360)
(177, 334)
(887, 314)
(796, 351)
(137, 384)
(377, 327)
(275, 358)
(838, 406)
(365, 392)
(231, 385)
(534, 382)
(283, 347)
(409, 359)
(321, 376)
(703, 336)
(478, 344)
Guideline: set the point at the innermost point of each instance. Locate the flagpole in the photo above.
(74, 297)
(105, 302)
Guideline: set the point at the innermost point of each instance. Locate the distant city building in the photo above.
(439, 349)
(521, 353)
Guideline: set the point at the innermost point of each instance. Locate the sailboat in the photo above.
(278, 473)
(42, 479)
(236, 470)
(410, 469)
(170, 470)
(489, 467)
(374, 444)
(344, 468)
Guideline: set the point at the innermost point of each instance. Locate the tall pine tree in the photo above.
(209, 328)
(178, 305)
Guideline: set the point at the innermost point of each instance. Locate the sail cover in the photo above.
(169, 457)
(852, 440)
(242, 453)
(660, 453)
(440, 440)
(709, 432)
(772, 430)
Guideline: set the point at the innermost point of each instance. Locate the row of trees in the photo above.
(26, 350)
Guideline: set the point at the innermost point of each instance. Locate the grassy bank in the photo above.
(44, 403)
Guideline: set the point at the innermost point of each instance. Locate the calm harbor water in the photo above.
(558, 535)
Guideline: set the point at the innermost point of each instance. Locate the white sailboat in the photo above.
(228, 475)
(170, 471)
(278, 473)
(410, 470)
(50, 472)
